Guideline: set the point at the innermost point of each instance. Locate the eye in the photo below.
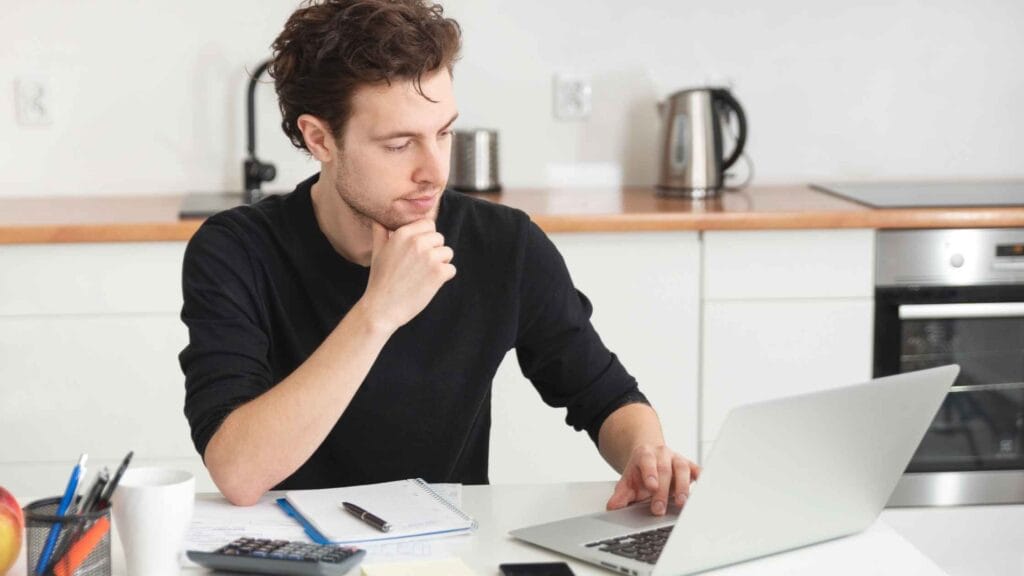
(397, 148)
(446, 133)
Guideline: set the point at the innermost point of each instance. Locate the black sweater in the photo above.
(263, 288)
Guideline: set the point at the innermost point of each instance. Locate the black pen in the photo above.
(92, 496)
(375, 521)
(108, 490)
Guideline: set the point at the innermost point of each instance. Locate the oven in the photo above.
(957, 296)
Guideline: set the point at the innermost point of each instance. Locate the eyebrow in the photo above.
(407, 134)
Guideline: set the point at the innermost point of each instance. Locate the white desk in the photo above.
(966, 540)
(880, 550)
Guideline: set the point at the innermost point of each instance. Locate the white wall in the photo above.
(148, 96)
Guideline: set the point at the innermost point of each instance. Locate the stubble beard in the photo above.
(361, 206)
(364, 211)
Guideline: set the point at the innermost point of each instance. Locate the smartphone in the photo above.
(536, 569)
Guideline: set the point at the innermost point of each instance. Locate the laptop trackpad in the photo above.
(639, 516)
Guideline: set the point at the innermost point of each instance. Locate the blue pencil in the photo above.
(65, 502)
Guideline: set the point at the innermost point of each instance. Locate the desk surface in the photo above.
(960, 541)
(879, 550)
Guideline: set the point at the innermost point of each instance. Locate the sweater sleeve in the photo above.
(558, 348)
(226, 360)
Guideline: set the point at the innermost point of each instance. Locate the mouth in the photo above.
(422, 203)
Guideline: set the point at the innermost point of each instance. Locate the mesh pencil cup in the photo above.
(83, 543)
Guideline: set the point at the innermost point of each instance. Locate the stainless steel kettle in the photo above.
(692, 163)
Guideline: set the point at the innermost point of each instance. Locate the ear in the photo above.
(318, 137)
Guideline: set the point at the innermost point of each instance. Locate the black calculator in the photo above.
(283, 557)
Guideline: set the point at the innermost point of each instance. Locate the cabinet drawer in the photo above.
(645, 288)
(530, 442)
(645, 292)
(766, 264)
(102, 385)
(756, 351)
(141, 277)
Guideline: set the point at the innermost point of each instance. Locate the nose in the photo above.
(433, 163)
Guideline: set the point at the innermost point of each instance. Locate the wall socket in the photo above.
(33, 101)
(572, 96)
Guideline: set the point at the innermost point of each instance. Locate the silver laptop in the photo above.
(783, 474)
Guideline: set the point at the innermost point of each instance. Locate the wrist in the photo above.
(374, 324)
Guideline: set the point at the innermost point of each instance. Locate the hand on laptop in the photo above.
(654, 472)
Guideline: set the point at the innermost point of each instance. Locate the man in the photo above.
(349, 332)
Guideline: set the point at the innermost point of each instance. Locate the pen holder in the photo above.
(82, 545)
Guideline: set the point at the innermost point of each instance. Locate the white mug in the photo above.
(152, 512)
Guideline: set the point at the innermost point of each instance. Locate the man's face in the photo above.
(395, 151)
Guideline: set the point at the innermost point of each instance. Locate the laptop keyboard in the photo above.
(643, 546)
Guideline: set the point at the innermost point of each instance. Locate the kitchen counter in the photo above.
(43, 220)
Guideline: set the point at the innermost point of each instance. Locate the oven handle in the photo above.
(968, 310)
(1002, 386)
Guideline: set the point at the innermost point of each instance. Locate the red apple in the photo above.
(12, 525)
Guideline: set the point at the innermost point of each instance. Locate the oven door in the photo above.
(980, 425)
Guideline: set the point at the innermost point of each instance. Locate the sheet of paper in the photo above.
(215, 522)
(421, 548)
(412, 507)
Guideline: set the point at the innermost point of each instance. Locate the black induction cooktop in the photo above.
(929, 194)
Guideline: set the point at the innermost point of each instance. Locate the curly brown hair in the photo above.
(328, 48)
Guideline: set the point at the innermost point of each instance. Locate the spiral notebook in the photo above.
(411, 506)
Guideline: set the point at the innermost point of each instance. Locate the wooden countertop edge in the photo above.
(1001, 217)
(875, 219)
(99, 233)
(637, 222)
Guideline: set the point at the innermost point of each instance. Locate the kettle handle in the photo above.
(727, 99)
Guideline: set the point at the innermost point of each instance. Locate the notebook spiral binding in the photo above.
(444, 502)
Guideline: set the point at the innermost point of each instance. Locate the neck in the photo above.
(349, 234)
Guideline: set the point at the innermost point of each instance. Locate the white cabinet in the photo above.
(90, 333)
(784, 312)
(89, 337)
(645, 292)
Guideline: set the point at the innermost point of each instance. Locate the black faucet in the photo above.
(254, 171)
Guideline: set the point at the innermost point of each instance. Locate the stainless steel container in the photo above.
(474, 166)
